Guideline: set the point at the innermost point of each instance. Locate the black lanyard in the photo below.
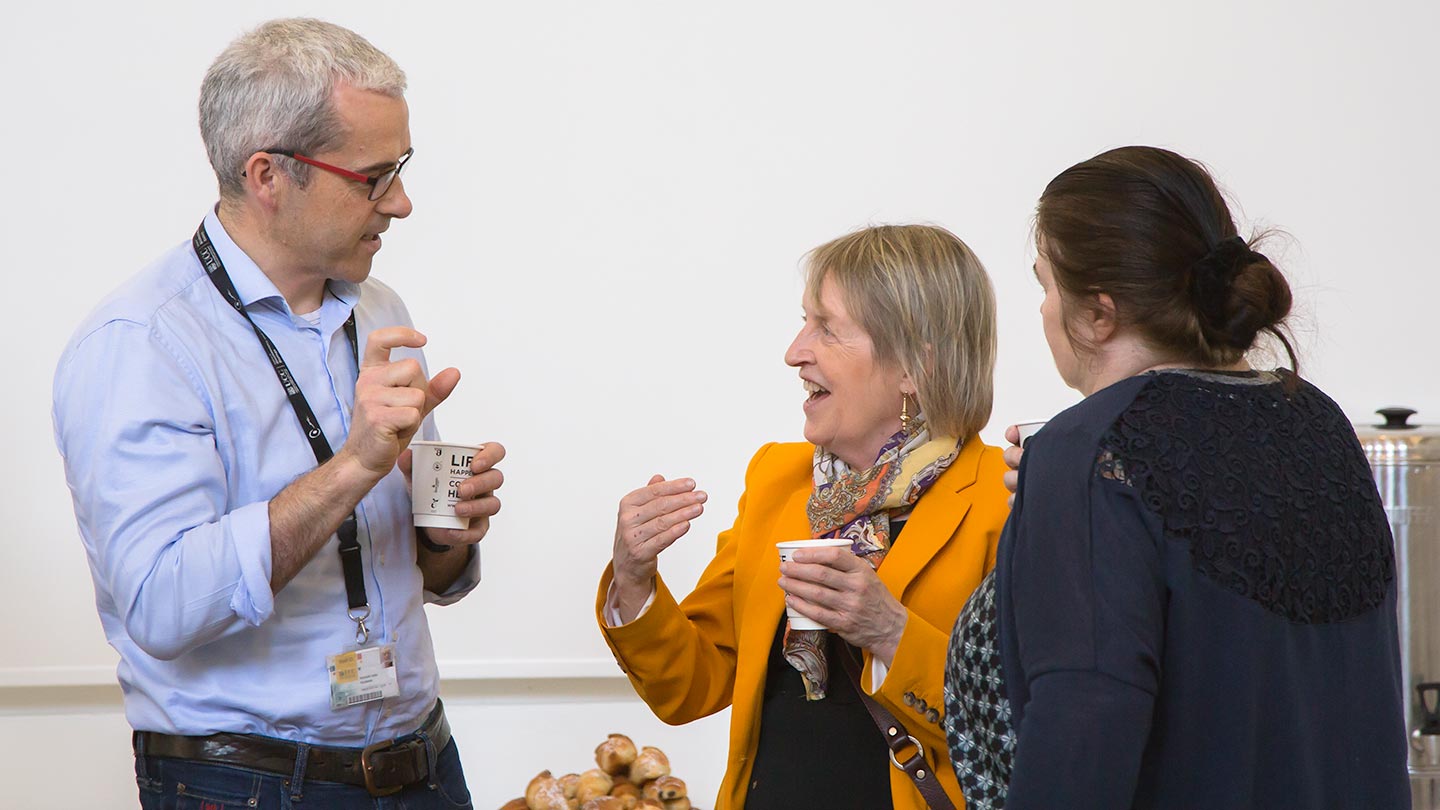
(350, 555)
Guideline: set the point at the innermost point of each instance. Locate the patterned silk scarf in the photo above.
(858, 505)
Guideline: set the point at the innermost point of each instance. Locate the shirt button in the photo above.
(921, 706)
(909, 698)
(933, 716)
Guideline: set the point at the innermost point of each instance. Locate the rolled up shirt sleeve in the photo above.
(465, 583)
(137, 432)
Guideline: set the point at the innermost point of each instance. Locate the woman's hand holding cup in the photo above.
(842, 592)
(1012, 460)
(649, 520)
(1017, 435)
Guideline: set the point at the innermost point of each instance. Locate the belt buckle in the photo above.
(369, 772)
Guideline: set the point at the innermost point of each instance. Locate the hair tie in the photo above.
(1211, 276)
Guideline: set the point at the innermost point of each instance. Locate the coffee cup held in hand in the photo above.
(798, 621)
(1028, 429)
(436, 472)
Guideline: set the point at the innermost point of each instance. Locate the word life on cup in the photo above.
(436, 472)
(799, 621)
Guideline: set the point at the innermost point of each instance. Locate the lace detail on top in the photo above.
(1268, 485)
(977, 713)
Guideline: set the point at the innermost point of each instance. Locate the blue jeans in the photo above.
(177, 784)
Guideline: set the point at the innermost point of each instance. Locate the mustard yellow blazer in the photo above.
(692, 659)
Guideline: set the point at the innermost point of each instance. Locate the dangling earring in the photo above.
(905, 426)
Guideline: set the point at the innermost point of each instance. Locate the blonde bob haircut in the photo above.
(926, 302)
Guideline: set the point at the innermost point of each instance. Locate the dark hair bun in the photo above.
(1151, 230)
(1238, 293)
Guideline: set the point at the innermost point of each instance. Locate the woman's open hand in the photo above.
(649, 520)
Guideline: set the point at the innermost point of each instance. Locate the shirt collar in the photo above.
(251, 283)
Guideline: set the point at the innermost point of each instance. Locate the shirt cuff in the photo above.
(248, 529)
(612, 606)
(878, 671)
(463, 584)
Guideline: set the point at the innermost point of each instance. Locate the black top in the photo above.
(821, 753)
(1196, 604)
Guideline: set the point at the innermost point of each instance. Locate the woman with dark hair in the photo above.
(1194, 599)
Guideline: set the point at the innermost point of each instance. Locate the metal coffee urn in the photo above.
(1406, 462)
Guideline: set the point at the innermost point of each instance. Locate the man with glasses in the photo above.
(235, 423)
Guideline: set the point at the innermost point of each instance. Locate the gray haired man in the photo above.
(235, 422)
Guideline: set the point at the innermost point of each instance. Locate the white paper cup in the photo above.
(798, 621)
(1028, 429)
(436, 470)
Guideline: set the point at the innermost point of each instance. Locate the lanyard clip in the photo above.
(362, 633)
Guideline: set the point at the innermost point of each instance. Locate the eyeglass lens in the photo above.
(384, 181)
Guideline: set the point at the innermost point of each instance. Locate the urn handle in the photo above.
(1429, 707)
(1396, 418)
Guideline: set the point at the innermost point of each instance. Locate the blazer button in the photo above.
(920, 706)
(933, 716)
(909, 698)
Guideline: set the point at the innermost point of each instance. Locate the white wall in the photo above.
(611, 199)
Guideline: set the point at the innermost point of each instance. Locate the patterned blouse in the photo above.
(977, 713)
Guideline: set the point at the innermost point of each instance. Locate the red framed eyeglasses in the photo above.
(379, 183)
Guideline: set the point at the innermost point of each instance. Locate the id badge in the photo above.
(360, 676)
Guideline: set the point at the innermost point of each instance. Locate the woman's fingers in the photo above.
(1012, 457)
(663, 540)
(661, 501)
(1012, 434)
(659, 508)
(848, 597)
(821, 574)
(650, 519)
(668, 518)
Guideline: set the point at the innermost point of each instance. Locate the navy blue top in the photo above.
(1196, 602)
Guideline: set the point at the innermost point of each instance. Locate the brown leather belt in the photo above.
(382, 768)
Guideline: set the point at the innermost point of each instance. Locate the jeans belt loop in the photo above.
(430, 757)
(297, 777)
(137, 741)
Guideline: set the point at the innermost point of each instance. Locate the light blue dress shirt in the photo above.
(176, 434)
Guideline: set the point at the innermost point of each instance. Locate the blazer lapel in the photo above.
(936, 516)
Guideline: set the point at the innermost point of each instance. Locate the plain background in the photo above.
(611, 204)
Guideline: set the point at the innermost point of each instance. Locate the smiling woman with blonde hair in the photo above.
(896, 357)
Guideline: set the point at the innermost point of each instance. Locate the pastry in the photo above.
(569, 783)
(593, 783)
(670, 787)
(544, 793)
(615, 754)
(650, 763)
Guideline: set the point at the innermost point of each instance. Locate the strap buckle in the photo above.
(368, 771)
(894, 743)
